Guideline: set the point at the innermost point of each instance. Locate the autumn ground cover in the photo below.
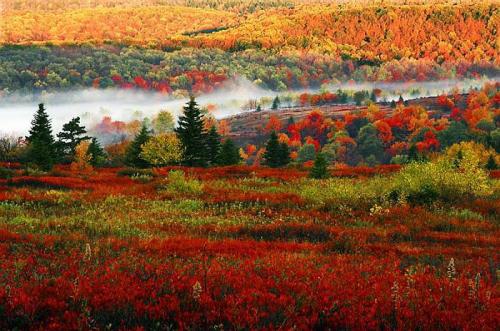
(247, 247)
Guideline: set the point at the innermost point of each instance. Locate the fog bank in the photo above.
(16, 111)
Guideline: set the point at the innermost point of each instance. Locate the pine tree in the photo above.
(259, 108)
(213, 146)
(133, 153)
(191, 133)
(41, 151)
(272, 154)
(276, 103)
(284, 155)
(71, 135)
(320, 167)
(229, 153)
(96, 153)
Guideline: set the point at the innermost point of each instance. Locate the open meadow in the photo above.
(243, 248)
(249, 165)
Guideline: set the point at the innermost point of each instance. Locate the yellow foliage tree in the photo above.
(161, 150)
(479, 151)
(82, 158)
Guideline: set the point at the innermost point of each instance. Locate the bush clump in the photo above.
(177, 182)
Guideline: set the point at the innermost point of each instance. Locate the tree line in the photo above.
(190, 144)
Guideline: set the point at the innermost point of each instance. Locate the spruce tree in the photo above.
(71, 135)
(96, 153)
(259, 108)
(272, 154)
(229, 153)
(133, 153)
(191, 133)
(276, 103)
(284, 155)
(320, 167)
(41, 150)
(213, 146)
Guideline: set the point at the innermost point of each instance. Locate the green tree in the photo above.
(71, 135)
(284, 155)
(360, 96)
(133, 156)
(330, 151)
(491, 163)
(495, 139)
(96, 153)
(413, 154)
(41, 149)
(272, 154)
(369, 142)
(306, 153)
(191, 133)
(485, 125)
(276, 103)
(320, 167)
(355, 125)
(455, 133)
(229, 153)
(213, 146)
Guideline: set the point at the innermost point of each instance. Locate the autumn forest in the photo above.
(249, 165)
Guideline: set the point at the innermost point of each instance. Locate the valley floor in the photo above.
(242, 248)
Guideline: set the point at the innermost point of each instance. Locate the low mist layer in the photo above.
(16, 111)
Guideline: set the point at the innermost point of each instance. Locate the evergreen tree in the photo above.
(133, 154)
(41, 150)
(284, 155)
(71, 135)
(272, 154)
(276, 103)
(320, 167)
(259, 108)
(96, 153)
(191, 133)
(491, 164)
(229, 153)
(213, 146)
